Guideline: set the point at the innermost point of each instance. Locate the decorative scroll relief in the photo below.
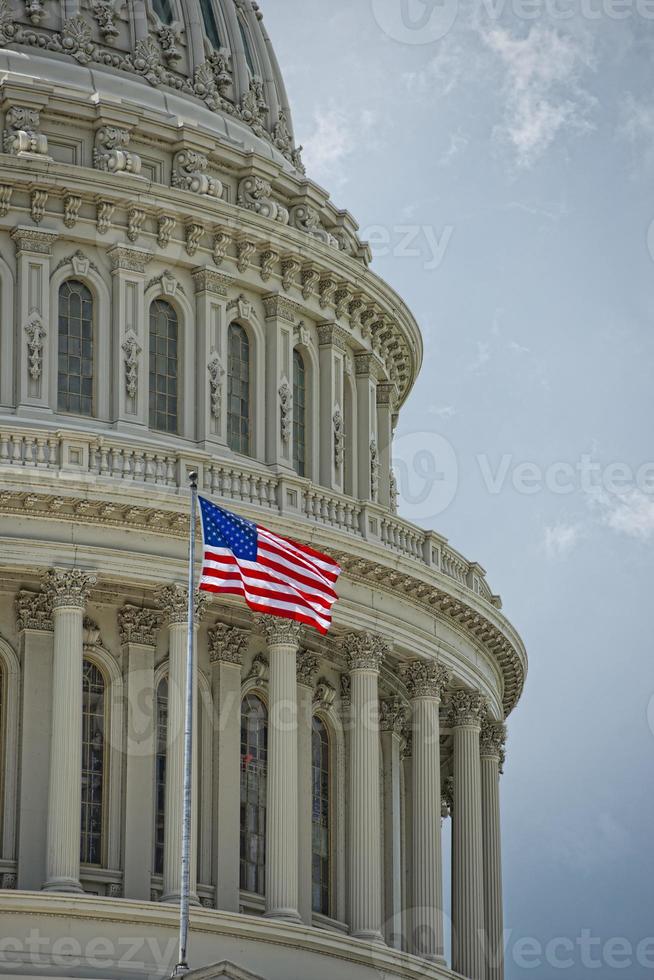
(21, 135)
(339, 438)
(132, 351)
(72, 206)
(36, 334)
(216, 375)
(111, 154)
(374, 470)
(307, 219)
(285, 410)
(255, 194)
(189, 168)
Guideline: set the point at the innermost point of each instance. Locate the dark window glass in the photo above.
(210, 22)
(320, 819)
(299, 415)
(93, 763)
(254, 770)
(247, 47)
(2, 740)
(160, 775)
(164, 363)
(75, 361)
(238, 391)
(164, 10)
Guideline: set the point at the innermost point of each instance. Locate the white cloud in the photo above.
(442, 73)
(336, 135)
(442, 411)
(637, 128)
(483, 357)
(542, 88)
(458, 143)
(631, 513)
(561, 539)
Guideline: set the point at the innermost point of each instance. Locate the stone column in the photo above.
(173, 600)
(68, 591)
(138, 635)
(467, 712)
(282, 851)
(226, 647)
(425, 683)
(307, 666)
(391, 723)
(212, 355)
(34, 620)
(407, 837)
(493, 739)
(131, 339)
(365, 653)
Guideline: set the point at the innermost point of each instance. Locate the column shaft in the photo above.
(139, 775)
(305, 799)
(491, 757)
(427, 900)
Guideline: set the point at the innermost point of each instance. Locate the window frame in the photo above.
(260, 696)
(246, 333)
(106, 773)
(300, 424)
(180, 358)
(331, 773)
(81, 281)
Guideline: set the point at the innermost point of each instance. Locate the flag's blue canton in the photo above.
(222, 529)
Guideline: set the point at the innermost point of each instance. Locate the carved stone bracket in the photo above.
(307, 219)
(22, 136)
(324, 696)
(110, 152)
(189, 174)
(259, 671)
(255, 194)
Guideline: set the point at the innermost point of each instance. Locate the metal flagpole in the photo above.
(182, 965)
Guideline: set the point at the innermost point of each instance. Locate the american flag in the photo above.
(273, 574)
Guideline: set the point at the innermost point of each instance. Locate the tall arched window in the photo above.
(238, 391)
(247, 48)
(93, 763)
(210, 22)
(160, 774)
(164, 363)
(75, 349)
(321, 819)
(164, 10)
(299, 415)
(254, 769)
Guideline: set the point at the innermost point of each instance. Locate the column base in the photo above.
(68, 886)
(284, 915)
(369, 936)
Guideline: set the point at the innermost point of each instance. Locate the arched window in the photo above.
(160, 774)
(210, 22)
(321, 819)
(75, 349)
(238, 391)
(164, 10)
(164, 362)
(93, 764)
(299, 415)
(254, 769)
(247, 48)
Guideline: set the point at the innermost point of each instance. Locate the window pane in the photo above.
(75, 374)
(321, 818)
(160, 775)
(93, 763)
(164, 10)
(299, 414)
(247, 47)
(210, 22)
(164, 367)
(238, 391)
(254, 753)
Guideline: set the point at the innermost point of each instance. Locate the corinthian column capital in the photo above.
(280, 632)
(467, 709)
(365, 651)
(173, 600)
(425, 680)
(137, 625)
(34, 611)
(493, 740)
(68, 587)
(307, 668)
(227, 644)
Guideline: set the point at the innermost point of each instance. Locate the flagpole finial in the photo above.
(193, 479)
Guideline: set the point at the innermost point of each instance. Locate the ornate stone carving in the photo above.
(301, 334)
(132, 351)
(447, 798)
(339, 437)
(242, 306)
(374, 470)
(173, 600)
(268, 259)
(406, 749)
(283, 140)
(189, 174)
(306, 219)
(128, 258)
(38, 201)
(324, 696)
(306, 668)
(290, 269)
(493, 741)
(244, 253)
(259, 671)
(425, 679)
(135, 221)
(279, 632)
(326, 290)
(216, 375)
(194, 233)
(76, 40)
(285, 410)
(105, 14)
(255, 194)
(346, 690)
(276, 306)
(253, 107)
(209, 281)
(68, 587)
(168, 41)
(6, 190)
(36, 334)
(34, 611)
(365, 651)
(227, 644)
(341, 300)
(221, 242)
(110, 152)
(392, 716)
(165, 227)
(72, 205)
(22, 132)
(394, 493)
(104, 214)
(8, 880)
(467, 708)
(138, 625)
(310, 278)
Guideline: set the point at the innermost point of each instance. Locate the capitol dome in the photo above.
(178, 296)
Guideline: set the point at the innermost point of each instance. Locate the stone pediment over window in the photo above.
(223, 971)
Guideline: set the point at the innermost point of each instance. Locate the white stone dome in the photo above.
(208, 62)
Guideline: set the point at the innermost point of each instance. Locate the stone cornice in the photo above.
(138, 625)
(424, 679)
(227, 644)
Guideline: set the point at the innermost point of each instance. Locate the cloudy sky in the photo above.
(500, 153)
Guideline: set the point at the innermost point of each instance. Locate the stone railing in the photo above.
(93, 457)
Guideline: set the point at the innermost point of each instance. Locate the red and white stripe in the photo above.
(288, 579)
